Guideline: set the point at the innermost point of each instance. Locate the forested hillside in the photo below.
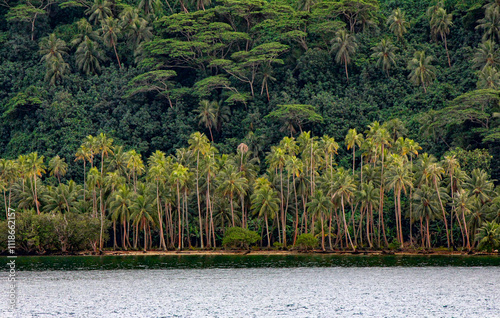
(246, 73)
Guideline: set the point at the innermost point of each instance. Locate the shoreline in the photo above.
(269, 253)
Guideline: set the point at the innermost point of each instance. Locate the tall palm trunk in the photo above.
(267, 232)
(179, 215)
(345, 222)
(444, 213)
(198, 197)
(160, 219)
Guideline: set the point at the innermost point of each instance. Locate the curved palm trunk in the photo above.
(198, 198)
(345, 222)
(444, 213)
(296, 210)
(446, 47)
(179, 215)
(466, 231)
(232, 208)
(267, 231)
(116, 53)
(322, 233)
(160, 219)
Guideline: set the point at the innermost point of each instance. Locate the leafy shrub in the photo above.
(306, 241)
(237, 237)
(394, 245)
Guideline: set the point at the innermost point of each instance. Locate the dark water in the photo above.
(256, 286)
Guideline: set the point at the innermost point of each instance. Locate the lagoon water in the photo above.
(256, 286)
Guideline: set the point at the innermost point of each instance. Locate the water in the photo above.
(257, 286)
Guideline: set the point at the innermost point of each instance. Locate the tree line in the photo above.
(393, 195)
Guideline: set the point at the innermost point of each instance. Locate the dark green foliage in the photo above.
(306, 241)
(46, 233)
(237, 237)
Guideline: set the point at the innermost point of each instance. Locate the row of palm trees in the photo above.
(392, 194)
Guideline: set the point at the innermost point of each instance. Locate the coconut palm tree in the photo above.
(158, 174)
(142, 215)
(232, 183)
(89, 56)
(58, 167)
(480, 186)
(120, 205)
(344, 188)
(99, 11)
(426, 208)
(319, 206)
(399, 177)
(487, 54)
(344, 45)
(440, 22)
(368, 196)
(384, 52)
(51, 48)
(398, 24)
(488, 78)
(199, 145)
(111, 31)
(490, 24)
(207, 115)
(265, 203)
(351, 140)
(135, 165)
(422, 72)
(36, 168)
(56, 69)
(489, 236)
(463, 203)
(180, 177)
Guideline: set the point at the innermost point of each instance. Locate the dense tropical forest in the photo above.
(352, 124)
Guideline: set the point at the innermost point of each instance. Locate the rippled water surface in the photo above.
(257, 286)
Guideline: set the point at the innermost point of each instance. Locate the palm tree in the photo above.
(56, 69)
(351, 140)
(141, 214)
(422, 72)
(120, 205)
(462, 203)
(157, 173)
(345, 45)
(399, 177)
(489, 236)
(486, 54)
(58, 167)
(199, 144)
(481, 187)
(384, 53)
(397, 23)
(103, 144)
(265, 203)
(180, 176)
(490, 24)
(426, 207)
(88, 56)
(368, 196)
(99, 11)
(440, 23)
(135, 165)
(84, 30)
(52, 48)
(111, 31)
(434, 173)
(319, 206)
(207, 115)
(233, 183)
(488, 78)
(344, 188)
(35, 167)
(295, 166)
